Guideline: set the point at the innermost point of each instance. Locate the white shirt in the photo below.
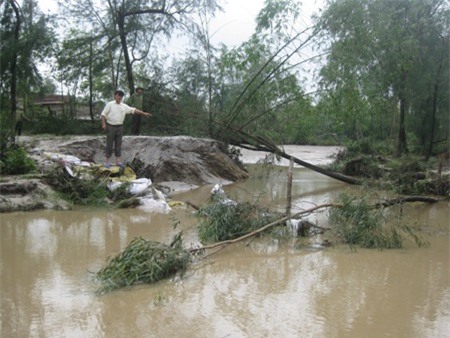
(115, 112)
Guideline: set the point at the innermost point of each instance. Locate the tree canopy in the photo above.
(382, 67)
(385, 58)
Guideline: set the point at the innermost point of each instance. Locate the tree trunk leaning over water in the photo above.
(277, 151)
(258, 143)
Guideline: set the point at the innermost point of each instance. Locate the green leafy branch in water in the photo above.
(354, 221)
(358, 223)
(221, 221)
(143, 261)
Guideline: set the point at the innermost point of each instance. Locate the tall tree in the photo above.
(263, 74)
(13, 65)
(135, 21)
(82, 65)
(202, 59)
(376, 48)
(25, 39)
(89, 23)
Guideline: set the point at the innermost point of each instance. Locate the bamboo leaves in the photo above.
(143, 261)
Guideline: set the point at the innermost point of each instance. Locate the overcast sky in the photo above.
(237, 22)
(231, 27)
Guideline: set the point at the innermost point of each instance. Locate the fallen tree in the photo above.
(277, 151)
(258, 143)
(357, 213)
(264, 228)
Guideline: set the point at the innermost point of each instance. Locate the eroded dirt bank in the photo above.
(177, 162)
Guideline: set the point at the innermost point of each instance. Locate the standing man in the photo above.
(112, 117)
(136, 101)
(20, 116)
(19, 122)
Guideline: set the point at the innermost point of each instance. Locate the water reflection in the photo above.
(258, 289)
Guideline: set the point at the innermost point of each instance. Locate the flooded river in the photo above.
(265, 288)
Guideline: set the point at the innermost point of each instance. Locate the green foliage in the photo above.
(158, 298)
(362, 158)
(273, 16)
(407, 165)
(364, 166)
(120, 193)
(221, 221)
(81, 191)
(358, 223)
(179, 113)
(34, 43)
(15, 161)
(51, 125)
(45, 124)
(385, 58)
(143, 261)
(406, 173)
(258, 93)
(368, 146)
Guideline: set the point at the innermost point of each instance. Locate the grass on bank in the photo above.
(89, 190)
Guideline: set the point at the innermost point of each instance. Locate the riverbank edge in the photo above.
(177, 163)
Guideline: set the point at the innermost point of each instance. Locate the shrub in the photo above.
(358, 223)
(362, 147)
(222, 221)
(407, 173)
(15, 161)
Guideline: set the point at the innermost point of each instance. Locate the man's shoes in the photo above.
(107, 165)
(121, 165)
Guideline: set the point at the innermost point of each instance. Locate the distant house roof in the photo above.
(52, 100)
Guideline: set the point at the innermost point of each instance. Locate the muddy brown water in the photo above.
(265, 288)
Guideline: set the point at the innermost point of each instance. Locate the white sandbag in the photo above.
(151, 205)
(138, 186)
(113, 185)
(62, 157)
(135, 187)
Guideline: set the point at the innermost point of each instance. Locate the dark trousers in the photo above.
(19, 127)
(113, 139)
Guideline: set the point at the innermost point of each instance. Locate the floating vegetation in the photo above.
(144, 261)
(358, 223)
(223, 221)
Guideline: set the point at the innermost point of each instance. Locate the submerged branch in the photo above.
(264, 228)
(402, 200)
(223, 244)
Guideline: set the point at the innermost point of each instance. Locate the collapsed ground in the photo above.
(178, 163)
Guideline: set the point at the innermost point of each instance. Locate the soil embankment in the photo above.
(176, 162)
